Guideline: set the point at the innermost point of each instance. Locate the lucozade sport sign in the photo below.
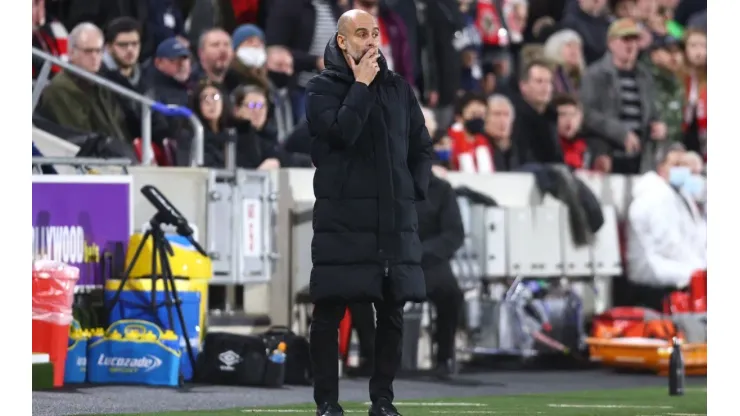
(84, 221)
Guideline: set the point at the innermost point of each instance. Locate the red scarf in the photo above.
(464, 151)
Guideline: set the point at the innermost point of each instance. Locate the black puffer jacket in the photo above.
(373, 158)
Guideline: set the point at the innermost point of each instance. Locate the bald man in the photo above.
(372, 154)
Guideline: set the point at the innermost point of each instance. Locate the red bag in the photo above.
(629, 322)
(687, 301)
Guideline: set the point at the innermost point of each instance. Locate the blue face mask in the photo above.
(695, 186)
(678, 175)
(443, 154)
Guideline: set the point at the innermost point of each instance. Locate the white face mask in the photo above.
(251, 56)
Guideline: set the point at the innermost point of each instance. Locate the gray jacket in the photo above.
(600, 96)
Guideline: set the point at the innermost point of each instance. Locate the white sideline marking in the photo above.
(435, 404)
(607, 406)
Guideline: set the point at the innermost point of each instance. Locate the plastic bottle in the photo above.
(96, 335)
(115, 335)
(278, 354)
(170, 339)
(149, 336)
(676, 373)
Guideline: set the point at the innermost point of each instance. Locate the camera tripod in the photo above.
(160, 252)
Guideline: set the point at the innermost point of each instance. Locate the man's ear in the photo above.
(341, 42)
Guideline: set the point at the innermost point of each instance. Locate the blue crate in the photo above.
(135, 302)
(125, 361)
(75, 366)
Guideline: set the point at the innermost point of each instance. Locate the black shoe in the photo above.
(383, 408)
(444, 370)
(330, 409)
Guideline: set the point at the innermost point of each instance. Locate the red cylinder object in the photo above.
(698, 290)
(51, 307)
(345, 334)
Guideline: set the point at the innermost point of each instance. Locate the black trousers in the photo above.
(324, 341)
(448, 302)
(447, 299)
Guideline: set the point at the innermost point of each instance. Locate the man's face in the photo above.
(177, 68)
(362, 35)
(538, 88)
(499, 120)
(569, 120)
(216, 53)
(125, 49)
(87, 53)
(39, 13)
(675, 158)
(592, 6)
(624, 48)
(664, 59)
(626, 9)
(645, 8)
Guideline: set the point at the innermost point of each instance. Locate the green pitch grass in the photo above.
(634, 402)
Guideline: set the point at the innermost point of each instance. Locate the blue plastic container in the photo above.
(136, 303)
(75, 367)
(133, 361)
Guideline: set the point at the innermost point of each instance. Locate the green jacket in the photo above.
(669, 101)
(73, 102)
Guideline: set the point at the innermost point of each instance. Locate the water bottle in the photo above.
(676, 373)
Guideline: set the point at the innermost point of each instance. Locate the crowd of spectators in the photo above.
(594, 84)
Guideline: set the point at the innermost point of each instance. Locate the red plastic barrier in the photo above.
(345, 334)
(51, 307)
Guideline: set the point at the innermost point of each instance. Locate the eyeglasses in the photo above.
(211, 97)
(254, 105)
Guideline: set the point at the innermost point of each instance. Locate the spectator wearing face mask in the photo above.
(666, 241)
(471, 151)
(250, 57)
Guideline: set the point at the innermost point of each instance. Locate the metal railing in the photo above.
(147, 105)
(81, 164)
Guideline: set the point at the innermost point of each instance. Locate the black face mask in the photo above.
(474, 125)
(279, 79)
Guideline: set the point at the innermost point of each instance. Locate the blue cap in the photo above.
(171, 48)
(245, 32)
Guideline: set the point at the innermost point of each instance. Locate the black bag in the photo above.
(564, 310)
(233, 359)
(297, 354)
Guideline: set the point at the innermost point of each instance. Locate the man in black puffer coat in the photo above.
(372, 154)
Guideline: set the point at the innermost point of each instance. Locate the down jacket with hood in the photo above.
(372, 154)
(666, 240)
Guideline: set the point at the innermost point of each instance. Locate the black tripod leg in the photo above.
(127, 272)
(155, 277)
(178, 308)
(167, 285)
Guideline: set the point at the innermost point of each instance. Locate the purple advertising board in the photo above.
(84, 221)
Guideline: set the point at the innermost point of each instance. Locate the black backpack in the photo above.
(232, 359)
(297, 354)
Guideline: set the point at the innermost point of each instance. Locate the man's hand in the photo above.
(320, 64)
(658, 130)
(368, 68)
(631, 143)
(269, 164)
(433, 99)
